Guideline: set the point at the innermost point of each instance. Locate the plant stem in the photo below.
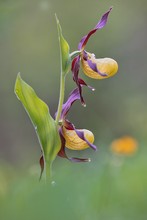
(48, 172)
(61, 97)
(62, 85)
(74, 54)
(62, 81)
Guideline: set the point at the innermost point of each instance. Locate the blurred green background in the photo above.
(29, 45)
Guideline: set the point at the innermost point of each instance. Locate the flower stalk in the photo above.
(63, 69)
(61, 96)
(48, 172)
(74, 54)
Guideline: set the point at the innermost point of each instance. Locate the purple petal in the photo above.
(103, 20)
(80, 82)
(81, 135)
(68, 125)
(93, 66)
(99, 25)
(85, 39)
(75, 71)
(75, 67)
(80, 91)
(74, 95)
(62, 152)
(75, 159)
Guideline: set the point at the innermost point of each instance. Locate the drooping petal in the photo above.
(102, 22)
(80, 82)
(75, 71)
(75, 67)
(63, 154)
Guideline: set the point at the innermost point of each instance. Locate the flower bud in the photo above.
(99, 68)
(74, 142)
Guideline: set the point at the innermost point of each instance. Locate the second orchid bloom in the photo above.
(72, 138)
(94, 68)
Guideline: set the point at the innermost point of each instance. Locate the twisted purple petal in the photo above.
(80, 82)
(102, 22)
(81, 135)
(75, 67)
(74, 95)
(75, 71)
(93, 66)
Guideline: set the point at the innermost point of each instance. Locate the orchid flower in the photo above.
(72, 138)
(94, 68)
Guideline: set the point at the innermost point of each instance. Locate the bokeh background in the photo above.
(108, 187)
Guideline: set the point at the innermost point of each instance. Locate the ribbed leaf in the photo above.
(44, 124)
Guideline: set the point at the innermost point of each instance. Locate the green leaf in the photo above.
(64, 49)
(44, 124)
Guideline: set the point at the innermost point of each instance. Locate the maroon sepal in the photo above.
(41, 162)
(75, 71)
(80, 82)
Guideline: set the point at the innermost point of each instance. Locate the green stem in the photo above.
(62, 76)
(61, 97)
(62, 85)
(48, 172)
(74, 54)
